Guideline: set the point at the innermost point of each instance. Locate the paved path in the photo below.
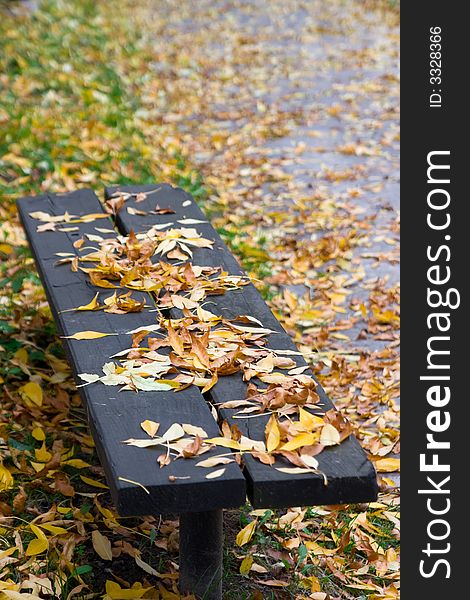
(290, 109)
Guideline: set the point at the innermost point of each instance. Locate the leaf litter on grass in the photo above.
(95, 116)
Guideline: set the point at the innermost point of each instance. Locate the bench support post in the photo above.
(201, 554)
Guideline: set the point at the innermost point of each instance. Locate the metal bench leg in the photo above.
(201, 554)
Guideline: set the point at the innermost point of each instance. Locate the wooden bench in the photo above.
(116, 415)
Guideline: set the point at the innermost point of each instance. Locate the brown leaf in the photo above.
(164, 460)
(163, 211)
(19, 501)
(62, 484)
(193, 448)
(175, 341)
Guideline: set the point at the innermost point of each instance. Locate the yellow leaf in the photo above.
(87, 335)
(90, 217)
(92, 305)
(265, 365)
(312, 583)
(53, 529)
(36, 546)
(6, 479)
(39, 544)
(37, 532)
(150, 427)
(107, 514)
(246, 565)
(42, 454)
(318, 550)
(31, 391)
(76, 463)
(38, 434)
(329, 435)
(93, 482)
(387, 465)
(211, 383)
(303, 439)
(273, 434)
(116, 592)
(224, 442)
(37, 466)
(101, 545)
(309, 421)
(8, 551)
(245, 535)
(110, 300)
(21, 355)
(205, 315)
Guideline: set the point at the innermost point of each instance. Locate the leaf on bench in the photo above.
(88, 335)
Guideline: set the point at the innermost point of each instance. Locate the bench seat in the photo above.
(137, 484)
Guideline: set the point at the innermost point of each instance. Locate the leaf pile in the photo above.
(126, 262)
(203, 347)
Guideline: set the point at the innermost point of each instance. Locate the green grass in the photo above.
(69, 105)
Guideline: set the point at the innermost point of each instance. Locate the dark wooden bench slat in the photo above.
(115, 416)
(351, 477)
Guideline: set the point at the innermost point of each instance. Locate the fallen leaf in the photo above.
(193, 430)
(245, 535)
(101, 545)
(33, 392)
(87, 335)
(173, 433)
(146, 567)
(92, 305)
(224, 442)
(94, 483)
(329, 436)
(387, 465)
(272, 582)
(150, 427)
(115, 592)
(6, 478)
(214, 461)
(273, 434)
(293, 470)
(215, 474)
(246, 565)
(39, 544)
